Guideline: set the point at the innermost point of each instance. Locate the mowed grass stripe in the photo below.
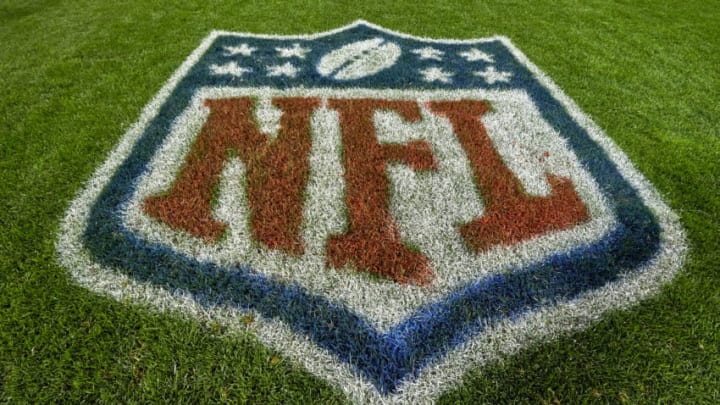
(75, 75)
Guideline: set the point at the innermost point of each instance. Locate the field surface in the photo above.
(75, 75)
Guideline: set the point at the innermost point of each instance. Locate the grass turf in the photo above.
(75, 75)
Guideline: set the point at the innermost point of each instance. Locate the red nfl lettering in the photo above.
(277, 172)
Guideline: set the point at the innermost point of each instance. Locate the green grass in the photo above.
(74, 75)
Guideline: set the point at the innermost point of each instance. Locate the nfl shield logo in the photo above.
(391, 210)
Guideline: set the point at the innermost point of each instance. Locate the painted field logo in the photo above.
(392, 210)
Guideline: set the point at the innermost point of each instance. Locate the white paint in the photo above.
(474, 54)
(286, 69)
(230, 68)
(295, 51)
(359, 59)
(436, 74)
(492, 76)
(242, 49)
(429, 53)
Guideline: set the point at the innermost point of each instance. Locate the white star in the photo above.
(435, 74)
(491, 75)
(243, 50)
(475, 54)
(429, 53)
(282, 70)
(296, 51)
(231, 68)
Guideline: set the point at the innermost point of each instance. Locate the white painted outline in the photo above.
(444, 373)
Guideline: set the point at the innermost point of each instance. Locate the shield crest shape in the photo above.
(392, 210)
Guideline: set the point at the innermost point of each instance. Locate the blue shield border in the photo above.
(646, 232)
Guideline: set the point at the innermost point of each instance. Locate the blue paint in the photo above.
(401, 353)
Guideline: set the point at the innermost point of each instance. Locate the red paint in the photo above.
(511, 215)
(277, 171)
(372, 242)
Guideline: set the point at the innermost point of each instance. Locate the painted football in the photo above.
(359, 59)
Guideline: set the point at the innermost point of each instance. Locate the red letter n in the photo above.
(277, 171)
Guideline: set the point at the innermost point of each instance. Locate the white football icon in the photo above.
(359, 59)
